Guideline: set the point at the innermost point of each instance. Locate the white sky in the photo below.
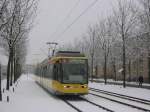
(51, 13)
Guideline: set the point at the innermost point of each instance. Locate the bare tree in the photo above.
(91, 35)
(0, 83)
(104, 45)
(20, 56)
(19, 24)
(125, 20)
(105, 39)
(2, 23)
(145, 28)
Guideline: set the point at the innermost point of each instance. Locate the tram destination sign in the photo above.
(81, 61)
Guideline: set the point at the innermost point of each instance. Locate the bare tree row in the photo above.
(16, 20)
(118, 40)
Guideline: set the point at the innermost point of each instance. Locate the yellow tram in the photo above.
(66, 73)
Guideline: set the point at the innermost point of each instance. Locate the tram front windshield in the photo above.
(75, 71)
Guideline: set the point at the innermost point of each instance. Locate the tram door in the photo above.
(57, 72)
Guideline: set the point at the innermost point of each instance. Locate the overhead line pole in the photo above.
(53, 49)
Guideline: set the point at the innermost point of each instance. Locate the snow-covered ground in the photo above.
(130, 91)
(120, 82)
(29, 97)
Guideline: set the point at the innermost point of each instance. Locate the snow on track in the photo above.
(111, 105)
(86, 107)
(124, 100)
(130, 91)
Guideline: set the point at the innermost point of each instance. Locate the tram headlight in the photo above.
(84, 86)
(66, 86)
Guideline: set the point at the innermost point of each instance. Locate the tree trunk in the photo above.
(12, 69)
(124, 61)
(96, 71)
(137, 69)
(129, 68)
(92, 68)
(12, 73)
(8, 72)
(114, 67)
(105, 68)
(0, 84)
(15, 69)
(18, 70)
(149, 66)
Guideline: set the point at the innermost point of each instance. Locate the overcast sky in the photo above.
(50, 15)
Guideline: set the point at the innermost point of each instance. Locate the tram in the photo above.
(66, 73)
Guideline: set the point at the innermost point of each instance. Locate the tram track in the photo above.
(83, 100)
(121, 102)
(139, 100)
(74, 107)
(100, 106)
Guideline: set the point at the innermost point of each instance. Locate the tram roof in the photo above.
(64, 55)
(68, 55)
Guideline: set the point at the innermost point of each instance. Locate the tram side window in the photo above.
(41, 72)
(49, 71)
(45, 71)
(59, 72)
(55, 72)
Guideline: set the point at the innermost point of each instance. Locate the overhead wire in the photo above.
(78, 17)
(67, 16)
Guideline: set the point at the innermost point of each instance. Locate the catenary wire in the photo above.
(77, 18)
(65, 19)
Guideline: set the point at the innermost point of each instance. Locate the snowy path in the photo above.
(29, 97)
